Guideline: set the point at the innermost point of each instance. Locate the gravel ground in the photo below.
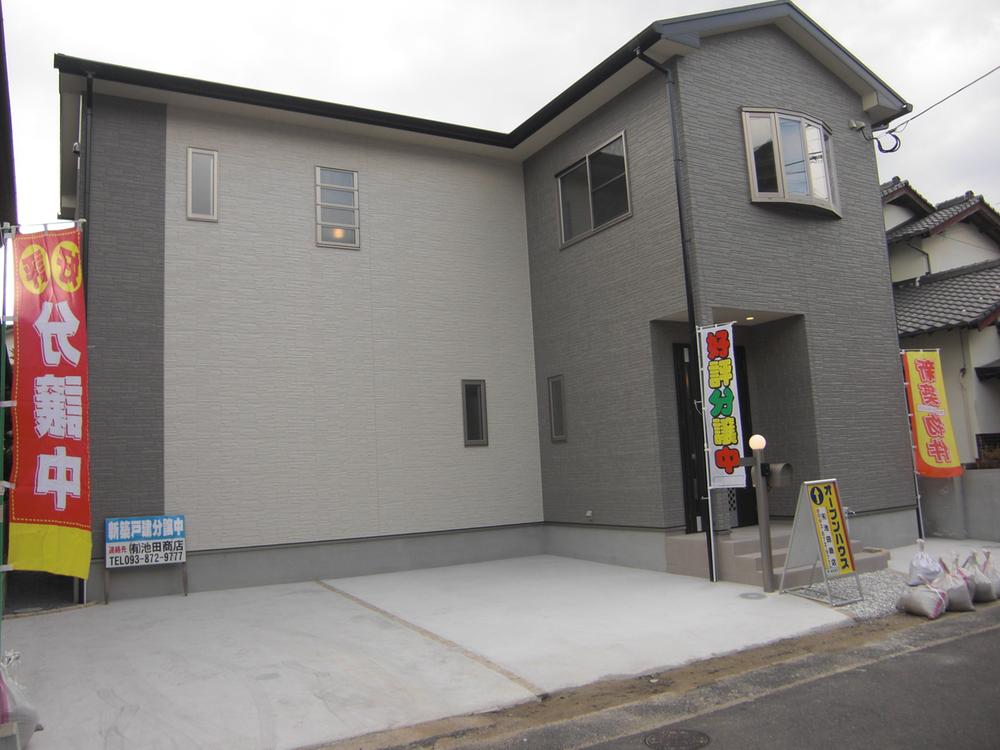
(881, 589)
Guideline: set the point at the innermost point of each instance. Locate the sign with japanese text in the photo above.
(831, 526)
(721, 407)
(935, 450)
(50, 501)
(144, 540)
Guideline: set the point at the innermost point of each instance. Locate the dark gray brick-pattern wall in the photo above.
(592, 303)
(781, 398)
(831, 271)
(125, 309)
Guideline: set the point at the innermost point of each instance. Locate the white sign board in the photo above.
(144, 540)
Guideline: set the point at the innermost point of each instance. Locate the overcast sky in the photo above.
(488, 64)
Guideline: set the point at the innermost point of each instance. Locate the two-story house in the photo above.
(945, 266)
(345, 341)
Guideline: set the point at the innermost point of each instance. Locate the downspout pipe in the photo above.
(83, 201)
(694, 375)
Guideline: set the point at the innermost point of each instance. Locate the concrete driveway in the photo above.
(301, 664)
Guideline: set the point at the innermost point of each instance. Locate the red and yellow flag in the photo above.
(50, 501)
(935, 450)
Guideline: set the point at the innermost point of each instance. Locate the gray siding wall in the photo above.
(782, 398)
(592, 303)
(831, 271)
(125, 310)
(314, 393)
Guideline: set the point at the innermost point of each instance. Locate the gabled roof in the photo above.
(668, 37)
(966, 297)
(968, 207)
(902, 193)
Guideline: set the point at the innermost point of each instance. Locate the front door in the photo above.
(692, 445)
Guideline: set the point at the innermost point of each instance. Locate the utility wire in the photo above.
(899, 128)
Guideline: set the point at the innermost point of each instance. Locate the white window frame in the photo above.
(214, 216)
(831, 203)
(590, 190)
(320, 206)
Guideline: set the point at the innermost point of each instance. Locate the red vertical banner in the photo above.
(50, 501)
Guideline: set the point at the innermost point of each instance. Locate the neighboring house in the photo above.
(945, 265)
(344, 341)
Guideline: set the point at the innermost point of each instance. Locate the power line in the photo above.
(902, 125)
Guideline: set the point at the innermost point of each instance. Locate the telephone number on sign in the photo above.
(146, 558)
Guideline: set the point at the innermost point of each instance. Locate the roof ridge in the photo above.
(950, 273)
(967, 196)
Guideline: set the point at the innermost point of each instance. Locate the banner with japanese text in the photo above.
(721, 407)
(50, 500)
(935, 449)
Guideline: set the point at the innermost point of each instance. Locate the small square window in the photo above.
(557, 409)
(790, 159)
(594, 192)
(474, 412)
(337, 217)
(202, 184)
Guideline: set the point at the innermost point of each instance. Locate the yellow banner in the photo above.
(831, 527)
(935, 450)
(63, 550)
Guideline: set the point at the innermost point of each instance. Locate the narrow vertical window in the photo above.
(557, 409)
(474, 411)
(762, 146)
(337, 217)
(202, 185)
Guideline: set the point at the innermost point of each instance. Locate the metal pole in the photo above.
(8, 232)
(763, 521)
(911, 433)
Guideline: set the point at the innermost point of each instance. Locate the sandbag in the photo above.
(923, 600)
(14, 707)
(966, 575)
(954, 585)
(991, 571)
(984, 587)
(923, 567)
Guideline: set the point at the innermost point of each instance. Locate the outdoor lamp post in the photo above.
(757, 445)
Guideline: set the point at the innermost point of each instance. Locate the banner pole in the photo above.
(8, 233)
(910, 417)
(713, 572)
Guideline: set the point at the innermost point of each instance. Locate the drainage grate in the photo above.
(676, 739)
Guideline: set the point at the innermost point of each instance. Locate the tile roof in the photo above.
(901, 192)
(945, 213)
(958, 298)
(893, 185)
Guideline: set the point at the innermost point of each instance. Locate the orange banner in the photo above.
(935, 450)
(50, 501)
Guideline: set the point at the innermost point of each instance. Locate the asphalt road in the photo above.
(941, 696)
(929, 685)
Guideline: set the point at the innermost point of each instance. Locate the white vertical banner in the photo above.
(720, 408)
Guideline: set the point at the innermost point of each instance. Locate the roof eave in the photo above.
(880, 102)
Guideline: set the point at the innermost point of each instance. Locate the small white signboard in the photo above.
(144, 540)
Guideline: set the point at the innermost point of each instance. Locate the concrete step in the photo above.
(864, 562)
(751, 544)
(754, 559)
